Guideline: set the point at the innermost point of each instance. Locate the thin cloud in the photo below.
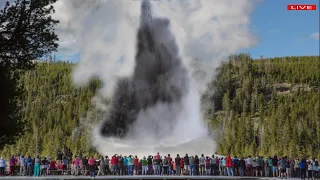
(315, 36)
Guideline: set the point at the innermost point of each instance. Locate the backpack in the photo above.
(316, 163)
(165, 161)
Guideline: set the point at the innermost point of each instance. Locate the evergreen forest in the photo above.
(258, 107)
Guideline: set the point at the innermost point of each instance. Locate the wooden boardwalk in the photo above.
(135, 178)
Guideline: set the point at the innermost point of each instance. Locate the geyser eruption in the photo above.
(104, 33)
(156, 107)
(159, 78)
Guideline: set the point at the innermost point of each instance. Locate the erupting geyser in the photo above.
(159, 78)
(158, 107)
(154, 86)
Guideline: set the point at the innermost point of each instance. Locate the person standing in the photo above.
(150, 167)
(165, 164)
(36, 167)
(177, 161)
(229, 166)
(275, 167)
(268, 172)
(156, 165)
(136, 165)
(59, 158)
(196, 164)
(101, 167)
(114, 164)
(65, 165)
(12, 163)
(213, 165)
(297, 168)
(242, 167)
(85, 165)
(76, 165)
(260, 167)
(92, 167)
(121, 168)
(22, 166)
(283, 164)
(107, 166)
(208, 165)
(45, 166)
(186, 164)
(29, 166)
(236, 166)
(191, 161)
(303, 166)
(288, 168)
(2, 166)
(316, 169)
(144, 166)
(169, 162)
(202, 164)
(130, 165)
(310, 169)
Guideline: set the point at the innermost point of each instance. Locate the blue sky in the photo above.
(280, 32)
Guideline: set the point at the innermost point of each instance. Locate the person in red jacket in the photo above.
(114, 163)
(229, 164)
(136, 164)
(182, 166)
(92, 166)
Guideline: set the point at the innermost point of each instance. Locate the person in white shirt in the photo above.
(310, 169)
(22, 166)
(249, 166)
(2, 166)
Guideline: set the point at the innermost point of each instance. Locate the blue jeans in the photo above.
(144, 170)
(150, 169)
(178, 169)
(115, 169)
(92, 170)
(230, 172)
(157, 169)
(191, 170)
(130, 167)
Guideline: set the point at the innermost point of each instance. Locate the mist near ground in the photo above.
(104, 33)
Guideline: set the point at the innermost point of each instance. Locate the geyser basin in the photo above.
(158, 107)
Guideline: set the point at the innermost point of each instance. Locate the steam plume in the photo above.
(104, 32)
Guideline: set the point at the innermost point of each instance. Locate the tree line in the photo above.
(259, 107)
(266, 106)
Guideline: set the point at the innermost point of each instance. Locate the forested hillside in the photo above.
(268, 107)
(51, 109)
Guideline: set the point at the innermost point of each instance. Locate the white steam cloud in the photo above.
(104, 33)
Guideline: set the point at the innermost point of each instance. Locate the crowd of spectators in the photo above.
(194, 165)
